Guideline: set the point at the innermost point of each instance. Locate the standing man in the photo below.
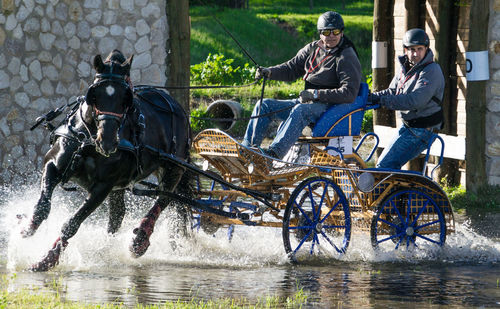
(332, 73)
(417, 92)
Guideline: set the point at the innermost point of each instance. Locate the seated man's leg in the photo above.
(408, 144)
(289, 131)
(257, 127)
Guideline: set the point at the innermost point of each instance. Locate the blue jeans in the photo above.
(408, 144)
(295, 117)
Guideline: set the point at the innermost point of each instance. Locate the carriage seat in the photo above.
(343, 119)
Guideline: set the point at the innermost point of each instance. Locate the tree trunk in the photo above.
(381, 77)
(446, 54)
(238, 4)
(476, 101)
(178, 56)
(413, 16)
(383, 21)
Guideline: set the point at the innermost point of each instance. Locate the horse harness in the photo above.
(85, 137)
(101, 78)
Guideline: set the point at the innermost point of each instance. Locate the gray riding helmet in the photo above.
(330, 20)
(415, 37)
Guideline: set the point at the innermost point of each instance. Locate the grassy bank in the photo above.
(53, 297)
(487, 199)
(271, 32)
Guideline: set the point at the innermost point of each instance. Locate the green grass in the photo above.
(487, 199)
(51, 297)
(262, 33)
(271, 32)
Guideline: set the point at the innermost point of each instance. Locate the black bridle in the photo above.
(98, 115)
(107, 78)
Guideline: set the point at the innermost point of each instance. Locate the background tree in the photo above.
(178, 58)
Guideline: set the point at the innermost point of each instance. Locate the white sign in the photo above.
(379, 55)
(342, 143)
(476, 66)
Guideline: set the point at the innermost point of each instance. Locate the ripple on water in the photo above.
(252, 264)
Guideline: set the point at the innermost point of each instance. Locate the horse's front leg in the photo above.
(50, 179)
(116, 210)
(96, 196)
(56, 162)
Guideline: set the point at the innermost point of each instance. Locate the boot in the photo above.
(140, 243)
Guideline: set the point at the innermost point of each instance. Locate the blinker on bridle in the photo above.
(113, 78)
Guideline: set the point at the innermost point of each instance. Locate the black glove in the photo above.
(261, 72)
(306, 96)
(373, 98)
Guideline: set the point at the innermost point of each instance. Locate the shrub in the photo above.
(219, 71)
(198, 124)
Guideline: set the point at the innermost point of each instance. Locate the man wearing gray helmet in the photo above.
(332, 73)
(416, 91)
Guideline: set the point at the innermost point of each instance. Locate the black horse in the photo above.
(110, 141)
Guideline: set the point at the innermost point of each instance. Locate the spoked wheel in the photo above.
(407, 218)
(317, 220)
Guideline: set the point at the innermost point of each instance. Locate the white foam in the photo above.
(93, 248)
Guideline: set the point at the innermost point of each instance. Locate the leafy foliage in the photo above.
(367, 124)
(198, 123)
(487, 198)
(216, 70)
(271, 32)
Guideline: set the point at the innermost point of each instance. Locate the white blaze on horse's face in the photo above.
(110, 90)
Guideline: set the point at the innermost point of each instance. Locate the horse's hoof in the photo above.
(48, 262)
(30, 230)
(52, 257)
(41, 266)
(140, 243)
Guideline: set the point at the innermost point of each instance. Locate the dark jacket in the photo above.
(411, 92)
(335, 72)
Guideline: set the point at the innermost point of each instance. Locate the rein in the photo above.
(197, 87)
(259, 115)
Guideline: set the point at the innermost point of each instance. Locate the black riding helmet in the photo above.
(415, 37)
(330, 20)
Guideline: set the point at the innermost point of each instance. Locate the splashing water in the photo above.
(93, 248)
(98, 267)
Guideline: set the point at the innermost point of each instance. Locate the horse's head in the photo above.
(109, 98)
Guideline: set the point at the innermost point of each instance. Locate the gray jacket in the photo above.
(335, 72)
(411, 92)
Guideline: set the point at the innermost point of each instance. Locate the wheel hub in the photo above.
(410, 231)
(319, 227)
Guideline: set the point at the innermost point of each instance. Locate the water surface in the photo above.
(97, 267)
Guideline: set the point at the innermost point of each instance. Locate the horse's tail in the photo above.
(187, 183)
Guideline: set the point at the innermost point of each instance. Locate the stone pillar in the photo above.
(493, 99)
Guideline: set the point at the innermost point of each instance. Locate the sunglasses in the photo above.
(327, 32)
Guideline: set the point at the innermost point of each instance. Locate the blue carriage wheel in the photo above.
(408, 218)
(317, 221)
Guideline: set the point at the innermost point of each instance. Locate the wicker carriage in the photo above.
(318, 195)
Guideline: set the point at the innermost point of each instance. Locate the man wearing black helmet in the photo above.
(416, 91)
(332, 73)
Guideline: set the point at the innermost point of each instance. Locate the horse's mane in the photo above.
(116, 56)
